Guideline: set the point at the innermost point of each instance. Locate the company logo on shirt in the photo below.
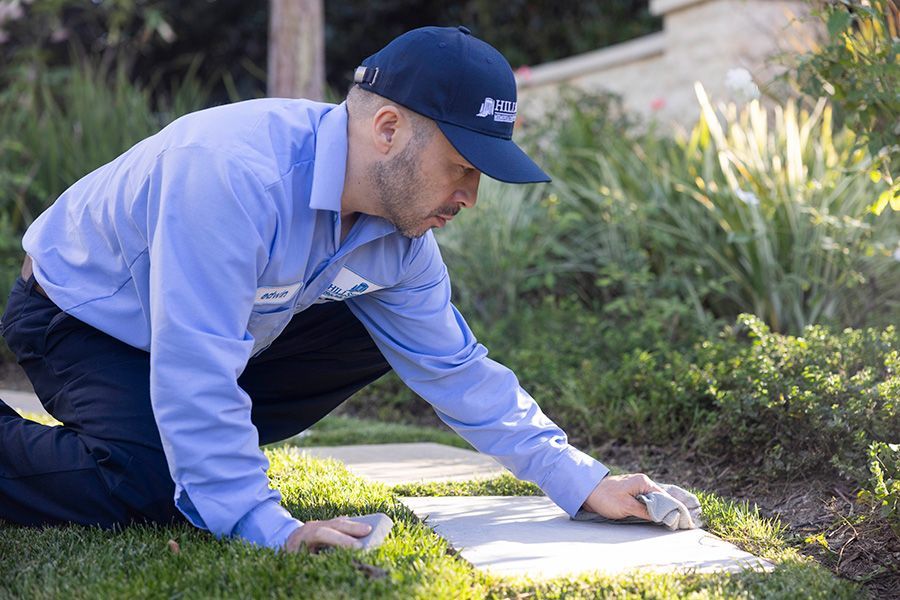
(503, 111)
(277, 294)
(346, 285)
(274, 295)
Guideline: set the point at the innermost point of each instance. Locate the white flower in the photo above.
(10, 11)
(746, 197)
(740, 82)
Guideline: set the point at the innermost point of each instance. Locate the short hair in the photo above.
(363, 104)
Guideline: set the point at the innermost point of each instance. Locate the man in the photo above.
(232, 279)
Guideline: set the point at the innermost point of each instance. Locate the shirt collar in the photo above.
(331, 160)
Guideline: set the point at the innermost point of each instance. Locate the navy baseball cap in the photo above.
(465, 85)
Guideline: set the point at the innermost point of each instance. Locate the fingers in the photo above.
(338, 532)
(653, 487)
(326, 536)
(620, 500)
(354, 528)
(641, 484)
(638, 483)
(638, 509)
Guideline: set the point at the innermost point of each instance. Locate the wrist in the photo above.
(293, 541)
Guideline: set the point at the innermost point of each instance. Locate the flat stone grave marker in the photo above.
(393, 464)
(532, 536)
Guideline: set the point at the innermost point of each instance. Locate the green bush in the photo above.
(594, 369)
(774, 404)
(858, 69)
(562, 353)
(802, 404)
(780, 405)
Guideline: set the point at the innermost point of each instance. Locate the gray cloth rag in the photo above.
(381, 527)
(676, 509)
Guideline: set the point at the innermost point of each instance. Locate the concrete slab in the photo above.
(531, 536)
(23, 401)
(411, 463)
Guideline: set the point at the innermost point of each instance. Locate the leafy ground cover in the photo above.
(774, 405)
(179, 561)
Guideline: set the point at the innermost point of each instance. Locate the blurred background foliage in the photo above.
(733, 291)
(160, 39)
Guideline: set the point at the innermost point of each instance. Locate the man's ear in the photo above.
(385, 125)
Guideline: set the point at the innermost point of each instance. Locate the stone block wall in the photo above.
(701, 40)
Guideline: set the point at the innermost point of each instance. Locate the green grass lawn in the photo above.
(337, 430)
(77, 562)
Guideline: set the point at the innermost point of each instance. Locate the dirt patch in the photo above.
(847, 538)
(861, 547)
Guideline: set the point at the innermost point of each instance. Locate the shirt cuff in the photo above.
(572, 479)
(268, 525)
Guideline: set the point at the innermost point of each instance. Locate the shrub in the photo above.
(805, 404)
(778, 405)
(781, 405)
(563, 353)
(858, 68)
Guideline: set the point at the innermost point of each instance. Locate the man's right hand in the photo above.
(614, 496)
(340, 531)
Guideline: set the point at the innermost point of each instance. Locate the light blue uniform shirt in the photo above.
(198, 245)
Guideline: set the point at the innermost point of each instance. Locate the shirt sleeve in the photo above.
(430, 346)
(208, 222)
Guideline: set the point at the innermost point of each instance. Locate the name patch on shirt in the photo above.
(277, 294)
(346, 285)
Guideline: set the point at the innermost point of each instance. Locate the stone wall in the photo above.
(701, 40)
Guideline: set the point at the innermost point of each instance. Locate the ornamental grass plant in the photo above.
(785, 214)
(758, 211)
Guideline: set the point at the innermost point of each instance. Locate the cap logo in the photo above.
(503, 111)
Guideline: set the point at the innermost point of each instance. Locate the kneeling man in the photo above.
(232, 279)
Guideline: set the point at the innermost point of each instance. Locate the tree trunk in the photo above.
(296, 49)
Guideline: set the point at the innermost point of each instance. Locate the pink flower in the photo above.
(657, 104)
(524, 72)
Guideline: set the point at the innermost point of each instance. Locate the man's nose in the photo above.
(467, 195)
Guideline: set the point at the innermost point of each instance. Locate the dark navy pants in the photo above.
(105, 466)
